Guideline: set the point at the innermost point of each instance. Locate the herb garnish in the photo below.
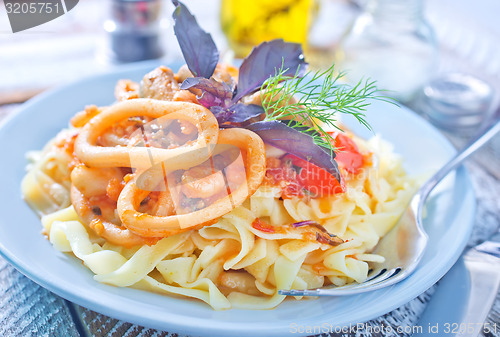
(197, 46)
(277, 69)
(265, 61)
(316, 102)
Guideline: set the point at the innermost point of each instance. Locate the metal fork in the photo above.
(401, 260)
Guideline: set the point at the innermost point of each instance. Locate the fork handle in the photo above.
(476, 143)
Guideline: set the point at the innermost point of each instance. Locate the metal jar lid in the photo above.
(456, 101)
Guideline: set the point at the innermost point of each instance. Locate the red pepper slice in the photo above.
(263, 226)
(347, 154)
(286, 178)
(315, 179)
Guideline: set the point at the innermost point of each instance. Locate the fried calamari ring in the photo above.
(144, 157)
(112, 233)
(161, 226)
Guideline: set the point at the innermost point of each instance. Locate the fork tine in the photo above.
(295, 292)
(380, 273)
(381, 277)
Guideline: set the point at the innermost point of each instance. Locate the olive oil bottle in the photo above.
(247, 23)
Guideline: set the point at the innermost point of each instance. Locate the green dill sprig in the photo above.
(310, 103)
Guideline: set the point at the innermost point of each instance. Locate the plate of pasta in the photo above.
(184, 197)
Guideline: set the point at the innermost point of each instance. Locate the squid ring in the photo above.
(105, 229)
(144, 157)
(160, 226)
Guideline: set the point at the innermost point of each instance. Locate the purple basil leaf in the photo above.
(300, 144)
(197, 46)
(228, 126)
(222, 114)
(265, 61)
(244, 112)
(238, 113)
(214, 93)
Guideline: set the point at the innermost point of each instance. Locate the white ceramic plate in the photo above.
(449, 222)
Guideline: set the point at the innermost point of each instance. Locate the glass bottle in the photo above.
(392, 43)
(246, 23)
(133, 30)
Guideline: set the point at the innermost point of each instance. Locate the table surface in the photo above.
(27, 309)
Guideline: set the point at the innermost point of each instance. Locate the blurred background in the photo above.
(441, 58)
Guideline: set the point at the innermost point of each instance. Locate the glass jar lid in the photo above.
(456, 101)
